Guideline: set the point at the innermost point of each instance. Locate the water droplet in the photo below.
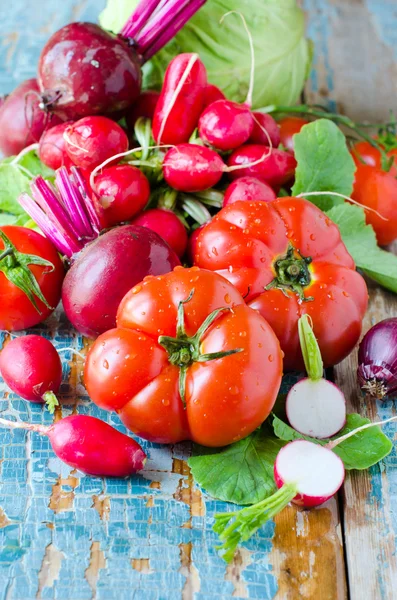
(346, 294)
(330, 296)
(214, 251)
(270, 357)
(234, 390)
(260, 345)
(257, 221)
(242, 333)
(165, 401)
(312, 237)
(227, 298)
(136, 289)
(105, 364)
(143, 313)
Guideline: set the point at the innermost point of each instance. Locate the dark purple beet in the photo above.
(105, 270)
(83, 70)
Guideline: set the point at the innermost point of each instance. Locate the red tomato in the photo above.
(137, 369)
(17, 311)
(288, 127)
(376, 189)
(363, 152)
(287, 258)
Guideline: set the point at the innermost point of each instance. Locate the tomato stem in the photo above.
(184, 350)
(6, 252)
(292, 274)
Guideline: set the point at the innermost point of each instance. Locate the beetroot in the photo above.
(83, 70)
(90, 445)
(22, 121)
(106, 270)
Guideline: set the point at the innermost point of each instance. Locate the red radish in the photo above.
(84, 70)
(106, 270)
(167, 225)
(181, 100)
(22, 121)
(123, 192)
(316, 408)
(266, 130)
(211, 94)
(191, 245)
(276, 169)
(144, 106)
(192, 168)
(92, 140)
(226, 125)
(52, 147)
(90, 445)
(314, 472)
(31, 367)
(248, 189)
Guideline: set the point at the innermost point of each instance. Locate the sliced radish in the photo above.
(316, 408)
(316, 472)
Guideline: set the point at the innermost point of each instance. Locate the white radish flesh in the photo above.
(315, 471)
(316, 408)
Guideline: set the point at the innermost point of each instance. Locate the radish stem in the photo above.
(333, 443)
(310, 349)
(327, 193)
(42, 429)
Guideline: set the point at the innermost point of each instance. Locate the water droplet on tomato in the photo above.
(270, 358)
(214, 251)
(242, 333)
(312, 237)
(165, 402)
(227, 298)
(234, 390)
(105, 364)
(136, 289)
(346, 294)
(257, 221)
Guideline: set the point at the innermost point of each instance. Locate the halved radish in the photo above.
(315, 472)
(316, 408)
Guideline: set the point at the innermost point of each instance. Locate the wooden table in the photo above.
(71, 537)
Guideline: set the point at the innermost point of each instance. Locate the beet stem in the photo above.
(181, 19)
(95, 222)
(42, 429)
(139, 17)
(159, 23)
(73, 204)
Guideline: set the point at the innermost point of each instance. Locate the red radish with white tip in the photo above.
(270, 165)
(123, 192)
(314, 406)
(194, 168)
(181, 100)
(224, 124)
(90, 445)
(167, 225)
(31, 367)
(92, 140)
(248, 189)
(266, 130)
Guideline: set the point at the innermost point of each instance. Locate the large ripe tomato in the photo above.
(289, 126)
(377, 190)
(30, 272)
(287, 258)
(165, 353)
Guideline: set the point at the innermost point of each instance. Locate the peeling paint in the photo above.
(60, 499)
(234, 572)
(97, 562)
(50, 568)
(188, 569)
(101, 503)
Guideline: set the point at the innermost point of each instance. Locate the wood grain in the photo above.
(368, 500)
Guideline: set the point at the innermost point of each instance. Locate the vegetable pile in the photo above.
(107, 190)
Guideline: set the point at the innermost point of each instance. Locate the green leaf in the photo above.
(22, 220)
(282, 53)
(361, 242)
(14, 180)
(324, 163)
(360, 452)
(241, 473)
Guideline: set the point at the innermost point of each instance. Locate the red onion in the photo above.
(377, 360)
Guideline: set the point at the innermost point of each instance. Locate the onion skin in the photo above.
(377, 360)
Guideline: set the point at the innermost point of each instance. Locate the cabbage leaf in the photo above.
(282, 53)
